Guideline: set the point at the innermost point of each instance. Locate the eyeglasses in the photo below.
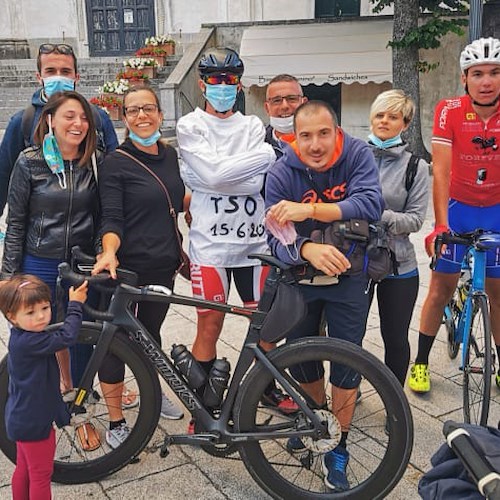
(134, 111)
(218, 79)
(291, 99)
(61, 48)
(485, 143)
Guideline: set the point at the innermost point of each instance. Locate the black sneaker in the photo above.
(276, 398)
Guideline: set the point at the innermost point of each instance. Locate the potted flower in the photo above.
(146, 64)
(114, 88)
(164, 41)
(157, 53)
(134, 77)
(111, 104)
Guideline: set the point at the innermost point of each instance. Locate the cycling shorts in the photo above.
(213, 283)
(464, 218)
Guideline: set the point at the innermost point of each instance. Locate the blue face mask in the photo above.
(222, 97)
(145, 141)
(53, 156)
(393, 141)
(53, 84)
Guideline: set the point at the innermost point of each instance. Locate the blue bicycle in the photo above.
(467, 321)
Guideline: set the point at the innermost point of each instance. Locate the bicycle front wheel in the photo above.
(73, 464)
(477, 370)
(379, 441)
(451, 314)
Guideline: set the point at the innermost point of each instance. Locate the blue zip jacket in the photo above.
(352, 182)
(13, 141)
(35, 400)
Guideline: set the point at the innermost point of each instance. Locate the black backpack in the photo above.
(29, 116)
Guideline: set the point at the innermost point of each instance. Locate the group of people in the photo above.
(247, 186)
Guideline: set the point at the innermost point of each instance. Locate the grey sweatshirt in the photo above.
(404, 211)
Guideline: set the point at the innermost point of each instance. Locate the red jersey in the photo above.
(475, 164)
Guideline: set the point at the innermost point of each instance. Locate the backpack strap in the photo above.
(27, 124)
(411, 171)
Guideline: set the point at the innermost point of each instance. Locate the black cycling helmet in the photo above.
(220, 60)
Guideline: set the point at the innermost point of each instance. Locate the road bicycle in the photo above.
(467, 321)
(381, 433)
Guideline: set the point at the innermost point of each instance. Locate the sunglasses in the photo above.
(134, 111)
(227, 78)
(291, 99)
(61, 48)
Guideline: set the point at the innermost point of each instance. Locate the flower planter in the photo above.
(115, 113)
(149, 71)
(159, 59)
(169, 48)
(137, 83)
(112, 95)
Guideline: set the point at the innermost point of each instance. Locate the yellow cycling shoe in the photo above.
(497, 379)
(420, 380)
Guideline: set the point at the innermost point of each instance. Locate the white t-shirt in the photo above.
(223, 162)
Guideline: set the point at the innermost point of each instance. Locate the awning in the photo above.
(343, 52)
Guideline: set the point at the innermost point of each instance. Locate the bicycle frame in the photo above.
(478, 270)
(218, 430)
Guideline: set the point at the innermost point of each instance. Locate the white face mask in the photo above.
(283, 125)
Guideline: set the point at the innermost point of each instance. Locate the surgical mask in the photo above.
(53, 84)
(222, 97)
(53, 156)
(286, 234)
(393, 141)
(282, 125)
(145, 141)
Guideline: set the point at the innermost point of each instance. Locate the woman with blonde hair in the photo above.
(405, 208)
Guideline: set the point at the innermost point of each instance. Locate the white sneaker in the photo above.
(117, 436)
(169, 409)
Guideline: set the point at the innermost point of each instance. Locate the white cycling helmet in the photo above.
(480, 51)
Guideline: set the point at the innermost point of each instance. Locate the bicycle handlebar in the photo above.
(76, 279)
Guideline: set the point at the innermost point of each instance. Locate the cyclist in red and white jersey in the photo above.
(466, 190)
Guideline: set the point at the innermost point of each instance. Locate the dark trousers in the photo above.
(396, 299)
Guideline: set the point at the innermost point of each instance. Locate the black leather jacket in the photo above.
(45, 220)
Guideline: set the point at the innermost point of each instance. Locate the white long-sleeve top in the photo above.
(223, 162)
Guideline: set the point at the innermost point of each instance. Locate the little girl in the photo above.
(35, 400)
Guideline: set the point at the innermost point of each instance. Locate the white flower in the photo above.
(159, 40)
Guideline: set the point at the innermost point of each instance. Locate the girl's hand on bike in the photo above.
(79, 294)
(106, 261)
(430, 240)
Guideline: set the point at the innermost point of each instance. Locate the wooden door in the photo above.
(119, 27)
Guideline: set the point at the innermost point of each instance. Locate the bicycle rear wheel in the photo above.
(477, 370)
(74, 465)
(378, 458)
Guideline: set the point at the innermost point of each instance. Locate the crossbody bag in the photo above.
(184, 267)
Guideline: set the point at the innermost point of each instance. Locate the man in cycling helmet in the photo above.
(466, 191)
(224, 162)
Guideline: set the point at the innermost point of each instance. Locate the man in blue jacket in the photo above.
(57, 71)
(324, 177)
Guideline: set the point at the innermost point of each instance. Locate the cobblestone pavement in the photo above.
(190, 473)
